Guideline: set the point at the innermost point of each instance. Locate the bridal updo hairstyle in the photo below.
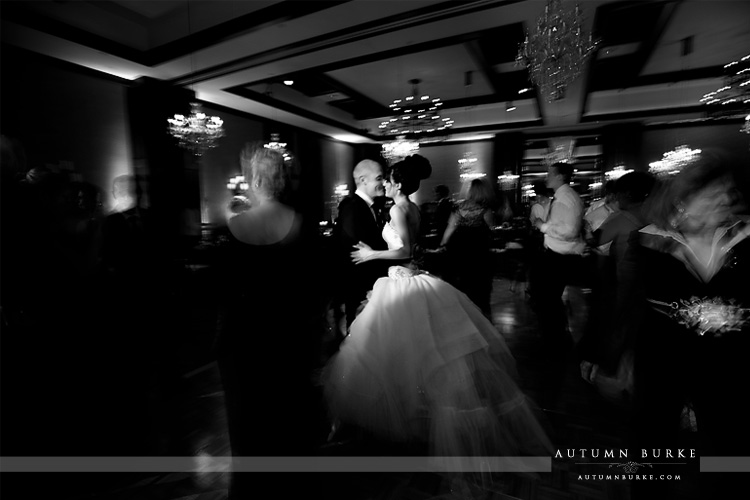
(409, 172)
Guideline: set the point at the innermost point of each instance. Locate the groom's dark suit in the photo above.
(357, 223)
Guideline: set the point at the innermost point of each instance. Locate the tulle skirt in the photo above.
(423, 364)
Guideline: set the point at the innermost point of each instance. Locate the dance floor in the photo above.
(575, 415)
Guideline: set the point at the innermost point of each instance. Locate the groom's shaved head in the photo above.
(368, 176)
(365, 167)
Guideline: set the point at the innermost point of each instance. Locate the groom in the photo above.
(360, 220)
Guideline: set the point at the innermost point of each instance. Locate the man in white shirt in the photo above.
(561, 262)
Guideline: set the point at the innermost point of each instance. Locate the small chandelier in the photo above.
(237, 182)
(278, 146)
(557, 52)
(674, 161)
(416, 114)
(560, 154)
(735, 90)
(508, 181)
(616, 173)
(197, 132)
(399, 149)
(467, 166)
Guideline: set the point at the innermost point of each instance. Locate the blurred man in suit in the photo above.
(360, 219)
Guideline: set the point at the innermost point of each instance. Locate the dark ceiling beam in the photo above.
(647, 46)
(268, 100)
(590, 68)
(275, 13)
(419, 17)
(478, 55)
(648, 113)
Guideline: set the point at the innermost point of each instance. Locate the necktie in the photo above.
(549, 209)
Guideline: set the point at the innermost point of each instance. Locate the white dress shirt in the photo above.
(562, 231)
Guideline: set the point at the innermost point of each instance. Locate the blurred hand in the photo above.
(362, 254)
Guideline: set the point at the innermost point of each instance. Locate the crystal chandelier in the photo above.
(560, 154)
(556, 53)
(399, 149)
(467, 166)
(197, 132)
(237, 182)
(508, 181)
(278, 146)
(417, 114)
(674, 161)
(616, 173)
(735, 90)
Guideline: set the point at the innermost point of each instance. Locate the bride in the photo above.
(421, 363)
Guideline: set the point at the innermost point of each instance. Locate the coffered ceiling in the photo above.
(349, 59)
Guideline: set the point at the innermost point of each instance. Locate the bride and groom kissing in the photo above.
(421, 363)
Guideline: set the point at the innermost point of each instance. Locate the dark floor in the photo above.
(576, 417)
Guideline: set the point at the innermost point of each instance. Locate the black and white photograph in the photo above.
(374, 249)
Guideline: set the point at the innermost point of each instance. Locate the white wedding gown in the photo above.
(422, 363)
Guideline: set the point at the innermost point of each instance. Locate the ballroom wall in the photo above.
(444, 160)
(66, 117)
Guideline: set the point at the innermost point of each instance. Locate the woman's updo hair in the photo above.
(265, 168)
(409, 172)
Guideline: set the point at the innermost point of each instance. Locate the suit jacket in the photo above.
(356, 223)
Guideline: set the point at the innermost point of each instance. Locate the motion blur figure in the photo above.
(691, 320)
(467, 240)
(270, 326)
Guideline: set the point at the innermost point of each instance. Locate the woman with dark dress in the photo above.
(467, 239)
(268, 339)
(692, 329)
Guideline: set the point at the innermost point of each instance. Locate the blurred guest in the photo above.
(271, 315)
(535, 243)
(467, 240)
(443, 210)
(695, 254)
(607, 341)
(601, 209)
(542, 199)
(360, 221)
(692, 338)
(561, 262)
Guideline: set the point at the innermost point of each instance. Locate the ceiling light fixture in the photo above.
(735, 89)
(415, 115)
(278, 146)
(556, 53)
(674, 161)
(288, 82)
(196, 132)
(467, 167)
(510, 107)
(508, 181)
(561, 153)
(616, 173)
(399, 149)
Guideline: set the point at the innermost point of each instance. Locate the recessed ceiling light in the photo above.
(288, 82)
